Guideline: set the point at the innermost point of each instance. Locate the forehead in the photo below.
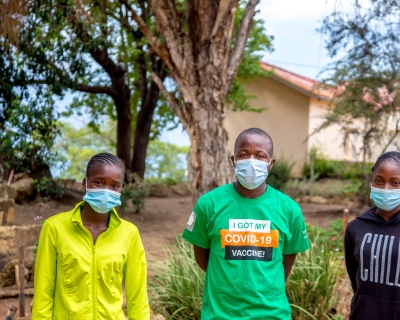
(248, 141)
(106, 171)
(388, 168)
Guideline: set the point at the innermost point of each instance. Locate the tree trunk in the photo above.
(209, 161)
(150, 95)
(197, 50)
(124, 130)
(142, 132)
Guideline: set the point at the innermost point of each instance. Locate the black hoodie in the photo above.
(373, 263)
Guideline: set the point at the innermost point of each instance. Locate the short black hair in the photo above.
(255, 131)
(387, 156)
(104, 158)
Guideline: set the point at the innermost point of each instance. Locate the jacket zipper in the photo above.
(94, 271)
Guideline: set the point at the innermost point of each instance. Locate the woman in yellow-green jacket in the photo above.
(85, 255)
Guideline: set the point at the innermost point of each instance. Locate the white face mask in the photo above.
(251, 173)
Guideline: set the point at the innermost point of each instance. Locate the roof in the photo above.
(307, 86)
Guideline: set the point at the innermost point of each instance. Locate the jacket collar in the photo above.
(76, 217)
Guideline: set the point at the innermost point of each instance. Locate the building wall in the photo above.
(286, 119)
(329, 141)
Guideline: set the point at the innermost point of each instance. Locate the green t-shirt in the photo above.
(247, 238)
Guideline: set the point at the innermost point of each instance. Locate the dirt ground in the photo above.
(163, 218)
(161, 221)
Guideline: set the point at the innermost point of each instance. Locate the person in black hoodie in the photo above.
(372, 247)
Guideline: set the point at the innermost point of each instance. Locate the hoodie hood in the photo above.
(371, 216)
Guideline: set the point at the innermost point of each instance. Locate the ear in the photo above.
(271, 164)
(233, 161)
(84, 183)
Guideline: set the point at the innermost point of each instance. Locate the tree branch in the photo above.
(97, 89)
(240, 44)
(167, 20)
(158, 48)
(172, 101)
(224, 6)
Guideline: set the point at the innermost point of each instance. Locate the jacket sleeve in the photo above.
(45, 274)
(351, 262)
(135, 280)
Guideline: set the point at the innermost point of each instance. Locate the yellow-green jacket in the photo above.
(77, 280)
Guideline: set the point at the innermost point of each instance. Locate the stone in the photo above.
(157, 317)
(158, 190)
(10, 216)
(7, 275)
(23, 187)
(181, 189)
(7, 192)
(318, 200)
(305, 199)
(20, 175)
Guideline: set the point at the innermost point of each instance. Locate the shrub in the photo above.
(280, 174)
(135, 193)
(48, 188)
(331, 188)
(312, 285)
(328, 168)
(177, 289)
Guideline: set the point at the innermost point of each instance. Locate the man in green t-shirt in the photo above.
(246, 236)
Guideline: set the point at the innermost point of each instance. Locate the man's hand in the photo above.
(201, 255)
(288, 261)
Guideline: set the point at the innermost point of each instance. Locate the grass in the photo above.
(177, 289)
(313, 287)
(316, 275)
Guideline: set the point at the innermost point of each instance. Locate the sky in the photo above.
(298, 46)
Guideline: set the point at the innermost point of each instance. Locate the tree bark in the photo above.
(202, 62)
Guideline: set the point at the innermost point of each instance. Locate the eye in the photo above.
(396, 183)
(97, 183)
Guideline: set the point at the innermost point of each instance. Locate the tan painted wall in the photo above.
(286, 119)
(330, 140)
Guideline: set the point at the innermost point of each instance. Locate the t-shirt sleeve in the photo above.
(299, 240)
(196, 231)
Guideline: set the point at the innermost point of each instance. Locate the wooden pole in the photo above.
(346, 213)
(21, 251)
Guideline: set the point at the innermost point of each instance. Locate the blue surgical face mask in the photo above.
(102, 200)
(251, 173)
(385, 199)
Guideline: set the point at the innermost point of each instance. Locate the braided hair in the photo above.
(104, 158)
(387, 156)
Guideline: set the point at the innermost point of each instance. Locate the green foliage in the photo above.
(177, 289)
(77, 145)
(312, 287)
(257, 44)
(135, 194)
(366, 75)
(166, 162)
(327, 168)
(280, 174)
(48, 188)
(327, 189)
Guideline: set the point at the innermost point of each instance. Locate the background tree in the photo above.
(367, 97)
(197, 48)
(28, 122)
(63, 39)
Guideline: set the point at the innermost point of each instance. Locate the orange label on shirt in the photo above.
(247, 238)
